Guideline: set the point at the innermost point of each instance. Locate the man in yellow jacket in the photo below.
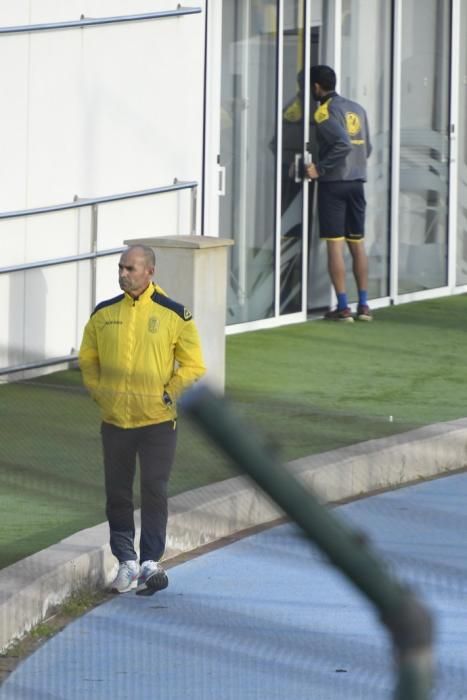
(140, 351)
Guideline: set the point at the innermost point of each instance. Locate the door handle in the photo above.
(298, 168)
(300, 163)
(221, 181)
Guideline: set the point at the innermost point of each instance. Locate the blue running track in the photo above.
(266, 617)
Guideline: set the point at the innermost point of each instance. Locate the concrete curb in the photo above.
(30, 588)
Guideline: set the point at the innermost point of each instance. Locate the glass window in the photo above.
(248, 137)
(462, 156)
(366, 78)
(424, 151)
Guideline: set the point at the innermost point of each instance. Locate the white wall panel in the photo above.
(56, 150)
(11, 319)
(12, 241)
(144, 106)
(14, 59)
(53, 235)
(90, 112)
(107, 278)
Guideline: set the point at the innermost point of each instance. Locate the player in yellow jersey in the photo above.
(140, 350)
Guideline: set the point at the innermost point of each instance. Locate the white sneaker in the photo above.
(127, 577)
(152, 577)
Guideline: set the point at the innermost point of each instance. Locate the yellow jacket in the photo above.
(138, 356)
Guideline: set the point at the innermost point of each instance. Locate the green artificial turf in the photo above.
(309, 388)
(351, 377)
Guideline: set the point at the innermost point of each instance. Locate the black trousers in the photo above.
(155, 447)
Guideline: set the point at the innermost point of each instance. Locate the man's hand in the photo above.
(312, 172)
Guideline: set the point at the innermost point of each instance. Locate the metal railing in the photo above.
(86, 202)
(39, 264)
(93, 254)
(53, 361)
(93, 203)
(96, 21)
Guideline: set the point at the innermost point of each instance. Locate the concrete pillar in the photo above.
(193, 271)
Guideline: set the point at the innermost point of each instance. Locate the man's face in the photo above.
(134, 273)
(316, 92)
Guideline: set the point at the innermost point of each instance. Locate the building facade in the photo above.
(218, 97)
(406, 62)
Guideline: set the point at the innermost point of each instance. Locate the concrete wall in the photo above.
(90, 112)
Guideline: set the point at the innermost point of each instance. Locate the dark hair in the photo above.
(324, 76)
(301, 80)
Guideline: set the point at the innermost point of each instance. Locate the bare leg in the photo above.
(359, 264)
(360, 271)
(336, 264)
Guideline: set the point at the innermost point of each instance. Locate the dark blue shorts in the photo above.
(341, 210)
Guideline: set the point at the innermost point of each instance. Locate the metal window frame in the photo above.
(453, 143)
(279, 125)
(296, 316)
(306, 213)
(337, 51)
(395, 156)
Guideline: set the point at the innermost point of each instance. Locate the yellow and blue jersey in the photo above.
(136, 350)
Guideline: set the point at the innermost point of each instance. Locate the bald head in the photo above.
(136, 269)
(147, 253)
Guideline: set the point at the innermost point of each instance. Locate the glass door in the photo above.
(265, 202)
(247, 157)
(321, 50)
(366, 77)
(294, 113)
(424, 145)
(307, 40)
